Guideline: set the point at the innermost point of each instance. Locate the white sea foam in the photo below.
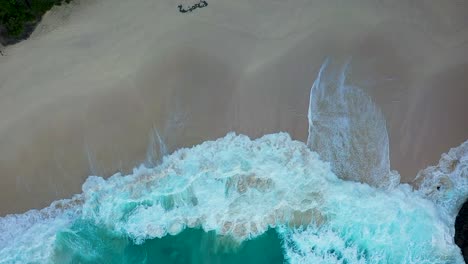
(446, 184)
(233, 185)
(397, 226)
(373, 226)
(349, 130)
(29, 237)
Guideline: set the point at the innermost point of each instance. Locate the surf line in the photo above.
(200, 4)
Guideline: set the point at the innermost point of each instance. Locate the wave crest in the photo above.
(233, 185)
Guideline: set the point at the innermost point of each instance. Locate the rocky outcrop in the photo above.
(447, 185)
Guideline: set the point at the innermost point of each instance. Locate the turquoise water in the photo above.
(87, 243)
(266, 200)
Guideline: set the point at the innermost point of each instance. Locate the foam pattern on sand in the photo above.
(347, 129)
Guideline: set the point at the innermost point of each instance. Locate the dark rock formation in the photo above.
(461, 230)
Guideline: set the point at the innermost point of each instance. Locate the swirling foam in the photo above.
(233, 185)
(446, 184)
(29, 237)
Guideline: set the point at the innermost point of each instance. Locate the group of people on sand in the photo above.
(200, 4)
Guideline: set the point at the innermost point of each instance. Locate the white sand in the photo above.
(96, 76)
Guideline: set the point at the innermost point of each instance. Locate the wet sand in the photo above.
(83, 94)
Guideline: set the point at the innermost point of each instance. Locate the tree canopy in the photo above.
(16, 14)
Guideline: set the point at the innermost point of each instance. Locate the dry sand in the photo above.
(82, 95)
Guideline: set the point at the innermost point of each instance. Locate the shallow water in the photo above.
(87, 243)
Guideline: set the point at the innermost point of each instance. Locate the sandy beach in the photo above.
(85, 93)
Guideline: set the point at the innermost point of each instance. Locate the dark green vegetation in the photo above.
(85, 242)
(18, 18)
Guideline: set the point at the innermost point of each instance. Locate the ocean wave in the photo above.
(30, 237)
(241, 187)
(233, 185)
